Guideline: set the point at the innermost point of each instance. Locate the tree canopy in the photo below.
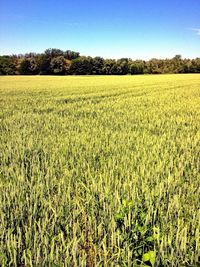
(58, 62)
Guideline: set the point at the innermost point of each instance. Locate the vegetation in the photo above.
(99, 171)
(57, 62)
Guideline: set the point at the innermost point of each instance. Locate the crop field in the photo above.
(100, 171)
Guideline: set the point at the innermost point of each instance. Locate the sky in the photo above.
(138, 29)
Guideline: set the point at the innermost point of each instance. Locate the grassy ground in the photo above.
(100, 171)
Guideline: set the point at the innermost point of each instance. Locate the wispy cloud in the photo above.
(72, 23)
(196, 30)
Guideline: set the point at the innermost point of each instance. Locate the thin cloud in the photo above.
(196, 30)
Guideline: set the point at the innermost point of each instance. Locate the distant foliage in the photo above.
(7, 65)
(58, 62)
(28, 66)
(58, 65)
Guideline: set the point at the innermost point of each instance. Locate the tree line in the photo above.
(57, 62)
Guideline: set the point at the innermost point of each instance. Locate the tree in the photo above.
(81, 66)
(116, 69)
(7, 65)
(108, 65)
(44, 65)
(177, 63)
(97, 65)
(58, 62)
(195, 65)
(28, 66)
(155, 66)
(123, 66)
(137, 67)
(58, 65)
(71, 54)
(53, 52)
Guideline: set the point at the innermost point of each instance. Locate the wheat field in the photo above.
(100, 171)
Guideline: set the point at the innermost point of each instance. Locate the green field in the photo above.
(100, 171)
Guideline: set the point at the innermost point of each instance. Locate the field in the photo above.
(100, 171)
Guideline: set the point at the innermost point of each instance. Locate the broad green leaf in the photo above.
(149, 256)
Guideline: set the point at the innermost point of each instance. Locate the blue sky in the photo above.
(111, 29)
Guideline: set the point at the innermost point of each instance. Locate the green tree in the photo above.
(81, 66)
(177, 63)
(116, 69)
(58, 65)
(123, 65)
(195, 65)
(137, 67)
(53, 52)
(97, 65)
(108, 66)
(71, 54)
(28, 66)
(7, 65)
(44, 65)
